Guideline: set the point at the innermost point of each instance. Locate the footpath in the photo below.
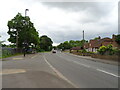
(30, 72)
(96, 59)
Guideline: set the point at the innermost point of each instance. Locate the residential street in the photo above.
(61, 70)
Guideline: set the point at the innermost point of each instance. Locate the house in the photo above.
(94, 45)
(76, 48)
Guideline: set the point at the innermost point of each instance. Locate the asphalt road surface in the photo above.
(84, 73)
(31, 72)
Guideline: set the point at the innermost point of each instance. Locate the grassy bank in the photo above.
(5, 56)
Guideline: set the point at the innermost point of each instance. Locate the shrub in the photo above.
(102, 50)
(84, 51)
(110, 50)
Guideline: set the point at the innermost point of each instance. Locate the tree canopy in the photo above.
(46, 43)
(70, 44)
(23, 28)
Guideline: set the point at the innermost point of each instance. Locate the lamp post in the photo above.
(25, 38)
(26, 12)
(17, 41)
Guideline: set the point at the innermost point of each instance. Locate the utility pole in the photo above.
(17, 41)
(83, 39)
(83, 35)
(24, 39)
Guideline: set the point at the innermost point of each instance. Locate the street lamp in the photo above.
(25, 43)
(26, 12)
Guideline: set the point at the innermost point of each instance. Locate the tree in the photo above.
(96, 38)
(45, 43)
(71, 43)
(21, 29)
(117, 38)
(54, 47)
(60, 46)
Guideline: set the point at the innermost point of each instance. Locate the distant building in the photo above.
(94, 45)
(76, 48)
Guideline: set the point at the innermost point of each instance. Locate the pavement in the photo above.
(31, 71)
(97, 59)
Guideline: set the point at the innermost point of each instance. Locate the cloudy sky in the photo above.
(63, 21)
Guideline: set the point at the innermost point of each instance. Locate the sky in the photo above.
(64, 21)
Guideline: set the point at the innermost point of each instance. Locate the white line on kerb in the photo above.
(107, 72)
(58, 73)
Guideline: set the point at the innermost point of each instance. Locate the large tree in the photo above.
(46, 43)
(21, 29)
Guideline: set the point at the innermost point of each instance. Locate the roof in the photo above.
(76, 48)
(86, 45)
(97, 43)
(106, 43)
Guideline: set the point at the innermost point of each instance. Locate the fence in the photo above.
(10, 51)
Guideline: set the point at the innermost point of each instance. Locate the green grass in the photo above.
(11, 55)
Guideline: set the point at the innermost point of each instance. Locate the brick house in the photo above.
(94, 45)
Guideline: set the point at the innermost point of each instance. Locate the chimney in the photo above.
(99, 37)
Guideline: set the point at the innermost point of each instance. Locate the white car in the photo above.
(53, 51)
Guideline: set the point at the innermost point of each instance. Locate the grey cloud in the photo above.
(97, 9)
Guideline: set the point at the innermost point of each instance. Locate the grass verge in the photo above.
(10, 55)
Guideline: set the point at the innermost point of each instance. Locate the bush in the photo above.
(84, 51)
(102, 50)
(110, 50)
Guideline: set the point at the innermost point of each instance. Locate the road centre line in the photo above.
(78, 63)
(94, 68)
(98, 69)
(107, 72)
(82, 64)
(58, 73)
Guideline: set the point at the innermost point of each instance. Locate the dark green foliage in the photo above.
(4, 45)
(26, 31)
(117, 38)
(70, 44)
(54, 47)
(45, 43)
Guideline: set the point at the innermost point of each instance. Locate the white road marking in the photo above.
(34, 56)
(96, 69)
(78, 63)
(82, 64)
(11, 71)
(107, 72)
(17, 58)
(58, 73)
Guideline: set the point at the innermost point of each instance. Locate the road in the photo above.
(31, 72)
(84, 73)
